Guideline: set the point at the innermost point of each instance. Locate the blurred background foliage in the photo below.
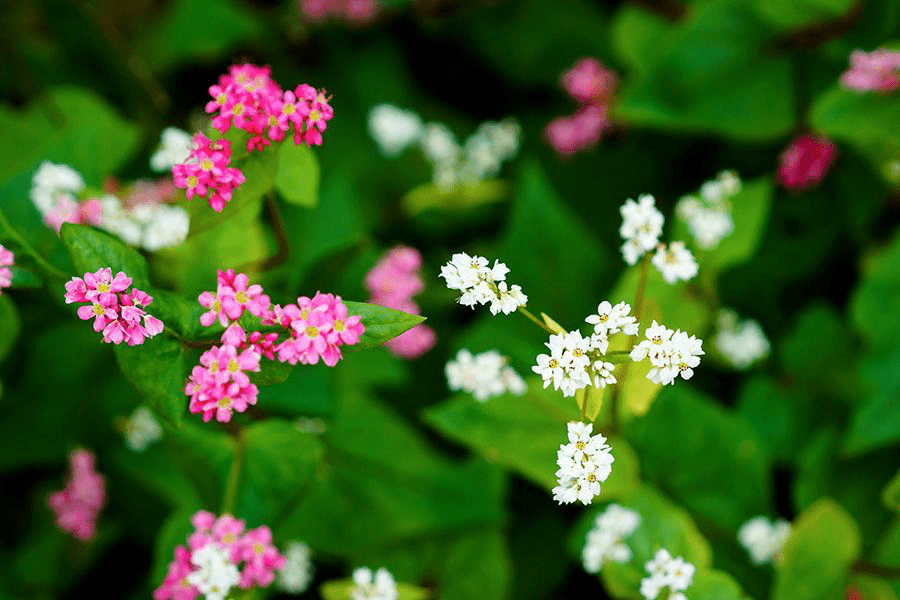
(446, 493)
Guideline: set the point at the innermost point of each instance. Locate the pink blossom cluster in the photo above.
(592, 85)
(805, 161)
(392, 282)
(206, 172)
(219, 385)
(250, 550)
(358, 12)
(7, 259)
(69, 210)
(117, 312)
(876, 71)
(77, 506)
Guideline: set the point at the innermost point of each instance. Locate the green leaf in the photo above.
(873, 307)
(824, 543)
(429, 196)
(174, 532)
(382, 324)
(709, 584)
(635, 33)
(158, 370)
(868, 121)
(92, 250)
(891, 494)
(297, 178)
(340, 590)
(204, 454)
(10, 325)
(272, 372)
(796, 13)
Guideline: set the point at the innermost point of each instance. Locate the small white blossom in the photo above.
(583, 463)
(603, 374)
(149, 226)
(373, 586)
(666, 572)
(741, 342)
(483, 375)
(439, 144)
(394, 129)
(675, 262)
(566, 365)
(764, 540)
(216, 574)
(174, 148)
(672, 353)
(481, 284)
(613, 319)
(641, 227)
(142, 429)
(168, 227)
(605, 539)
(53, 182)
(708, 216)
(297, 573)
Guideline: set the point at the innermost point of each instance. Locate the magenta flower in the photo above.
(175, 586)
(261, 558)
(413, 343)
(592, 85)
(7, 259)
(589, 81)
(805, 162)
(77, 506)
(876, 71)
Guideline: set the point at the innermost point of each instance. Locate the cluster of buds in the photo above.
(483, 375)
(592, 85)
(805, 161)
(118, 313)
(77, 506)
(7, 259)
(875, 71)
(481, 284)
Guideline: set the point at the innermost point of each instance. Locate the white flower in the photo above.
(142, 429)
(583, 463)
(641, 227)
(764, 540)
(613, 319)
(53, 182)
(740, 342)
(167, 227)
(480, 284)
(507, 300)
(174, 148)
(216, 574)
(679, 574)
(297, 573)
(483, 375)
(675, 262)
(708, 216)
(369, 586)
(603, 374)
(566, 365)
(672, 353)
(503, 137)
(393, 128)
(604, 540)
(439, 144)
(664, 571)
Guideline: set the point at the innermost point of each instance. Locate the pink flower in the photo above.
(413, 343)
(261, 558)
(589, 81)
(578, 132)
(876, 71)
(121, 318)
(175, 586)
(78, 505)
(7, 259)
(68, 210)
(206, 172)
(241, 296)
(805, 162)
(103, 284)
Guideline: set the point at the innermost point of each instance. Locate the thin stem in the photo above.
(284, 249)
(642, 287)
(44, 265)
(888, 572)
(534, 319)
(234, 474)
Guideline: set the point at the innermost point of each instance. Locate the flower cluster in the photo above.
(708, 214)
(805, 161)
(641, 227)
(480, 157)
(675, 262)
(55, 193)
(297, 573)
(875, 71)
(741, 342)
(357, 12)
(483, 375)
(142, 429)
(481, 284)
(672, 353)
(764, 539)
(220, 555)
(206, 173)
(77, 506)
(583, 463)
(605, 539)
(665, 572)
(392, 282)
(379, 585)
(117, 312)
(174, 147)
(592, 85)
(7, 259)
(220, 385)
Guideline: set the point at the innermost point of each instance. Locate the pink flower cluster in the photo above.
(220, 385)
(805, 161)
(118, 313)
(592, 85)
(206, 172)
(358, 12)
(250, 550)
(77, 506)
(876, 71)
(392, 282)
(69, 210)
(7, 259)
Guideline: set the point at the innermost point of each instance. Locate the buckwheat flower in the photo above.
(261, 559)
(297, 573)
(875, 71)
(741, 342)
(763, 539)
(439, 144)
(611, 319)
(603, 374)
(413, 343)
(566, 365)
(672, 353)
(206, 172)
(589, 81)
(215, 574)
(53, 182)
(480, 284)
(142, 429)
(239, 295)
(805, 162)
(395, 278)
(394, 129)
(69, 210)
(174, 148)
(605, 539)
(583, 463)
(77, 506)
(175, 586)
(317, 328)
(167, 228)
(581, 131)
(483, 375)
(667, 573)
(7, 259)
(675, 262)
(379, 585)
(641, 227)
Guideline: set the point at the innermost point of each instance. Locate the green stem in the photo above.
(888, 572)
(43, 264)
(234, 474)
(534, 319)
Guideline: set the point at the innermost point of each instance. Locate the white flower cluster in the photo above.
(741, 342)
(142, 429)
(672, 353)
(481, 284)
(641, 227)
(575, 361)
(480, 157)
(483, 375)
(605, 539)
(149, 226)
(707, 215)
(373, 586)
(297, 573)
(583, 463)
(216, 574)
(53, 183)
(174, 148)
(764, 539)
(665, 572)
